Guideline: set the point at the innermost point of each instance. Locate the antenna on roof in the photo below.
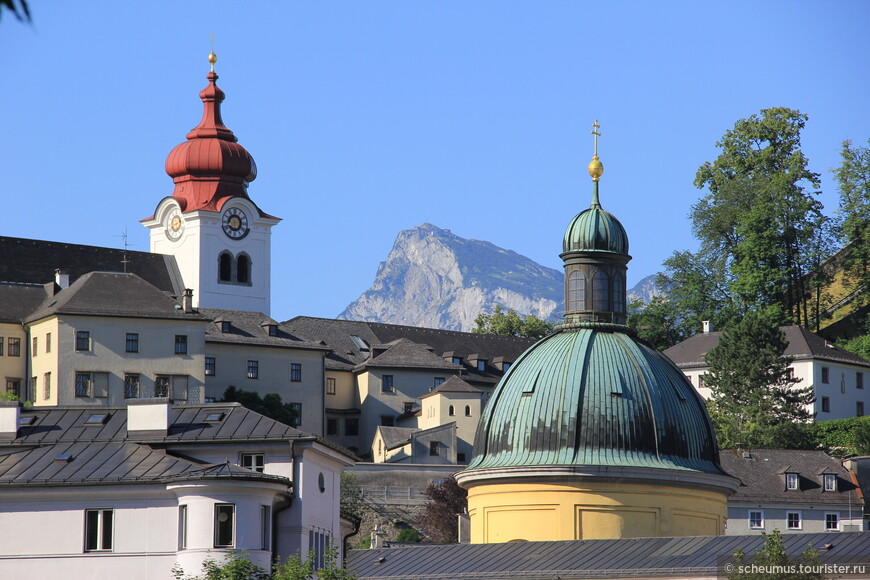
(125, 260)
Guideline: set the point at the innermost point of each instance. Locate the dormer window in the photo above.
(272, 329)
(830, 482)
(481, 365)
(457, 360)
(226, 326)
(505, 367)
(791, 481)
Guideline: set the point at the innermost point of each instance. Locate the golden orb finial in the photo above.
(212, 57)
(595, 168)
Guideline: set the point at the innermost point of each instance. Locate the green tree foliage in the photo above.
(237, 566)
(755, 401)
(772, 562)
(853, 177)
(511, 324)
(352, 499)
(657, 323)
(409, 536)
(843, 435)
(760, 227)
(270, 405)
(445, 500)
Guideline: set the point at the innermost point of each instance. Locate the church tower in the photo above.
(220, 238)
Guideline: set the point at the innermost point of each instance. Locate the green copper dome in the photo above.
(593, 395)
(594, 229)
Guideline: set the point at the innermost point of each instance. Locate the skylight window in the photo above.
(63, 458)
(360, 343)
(25, 421)
(214, 417)
(97, 419)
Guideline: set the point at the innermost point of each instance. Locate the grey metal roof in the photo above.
(802, 345)
(251, 328)
(113, 294)
(762, 476)
(34, 261)
(625, 558)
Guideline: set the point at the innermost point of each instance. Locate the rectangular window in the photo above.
(330, 386)
(407, 406)
(83, 385)
(2, 341)
(179, 387)
(182, 527)
(457, 360)
(433, 448)
(46, 386)
(859, 379)
(830, 482)
(295, 372)
(791, 480)
(481, 365)
(34, 388)
(13, 387)
(332, 426)
(387, 420)
(224, 525)
(83, 340)
(793, 520)
(99, 384)
(296, 408)
(132, 342)
(48, 342)
(826, 405)
(832, 522)
(351, 427)
(34, 349)
(387, 384)
(825, 375)
(756, 520)
(131, 386)
(161, 386)
(180, 344)
(265, 526)
(210, 366)
(14, 346)
(859, 408)
(701, 383)
(253, 369)
(254, 461)
(438, 381)
(98, 530)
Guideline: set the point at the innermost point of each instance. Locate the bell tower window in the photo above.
(600, 292)
(243, 269)
(576, 291)
(618, 293)
(225, 266)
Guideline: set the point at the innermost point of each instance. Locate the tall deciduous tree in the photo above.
(445, 500)
(656, 322)
(510, 323)
(853, 177)
(760, 226)
(755, 398)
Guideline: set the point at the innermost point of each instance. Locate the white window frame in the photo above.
(255, 461)
(749, 520)
(830, 482)
(217, 524)
(182, 527)
(265, 526)
(792, 481)
(836, 515)
(800, 520)
(100, 514)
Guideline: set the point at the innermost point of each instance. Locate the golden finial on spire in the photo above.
(596, 168)
(212, 57)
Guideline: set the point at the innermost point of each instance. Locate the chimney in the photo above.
(10, 412)
(148, 417)
(61, 278)
(187, 300)
(377, 538)
(706, 326)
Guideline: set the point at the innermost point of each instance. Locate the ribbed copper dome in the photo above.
(594, 395)
(594, 229)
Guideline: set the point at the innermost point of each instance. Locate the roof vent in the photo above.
(747, 455)
(97, 419)
(63, 458)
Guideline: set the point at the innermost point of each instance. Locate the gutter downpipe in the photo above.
(283, 505)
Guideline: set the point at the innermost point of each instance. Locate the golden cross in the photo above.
(595, 127)
(211, 57)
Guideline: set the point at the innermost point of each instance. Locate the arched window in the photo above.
(576, 291)
(600, 292)
(451, 411)
(618, 293)
(243, 269)
(225, 267)
(467, 411)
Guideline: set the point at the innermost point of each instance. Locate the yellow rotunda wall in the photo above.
(591, 510)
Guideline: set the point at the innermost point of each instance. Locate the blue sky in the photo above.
(367, 118)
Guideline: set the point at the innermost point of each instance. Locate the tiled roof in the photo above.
(453, 385)
(34, 261)
(692, 556)
(251, 328)
(406, 354)
(113, 294)
(802, 345)
(762, 476)
(18, 301)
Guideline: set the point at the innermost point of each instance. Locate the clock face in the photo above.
(235, 223)
(174, 225)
